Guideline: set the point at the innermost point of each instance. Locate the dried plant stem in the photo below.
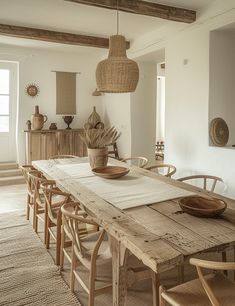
(100, 138)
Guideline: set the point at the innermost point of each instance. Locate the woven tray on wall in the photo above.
(219, 132)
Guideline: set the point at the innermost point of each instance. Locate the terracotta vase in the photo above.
(38, 119)
(98, 157)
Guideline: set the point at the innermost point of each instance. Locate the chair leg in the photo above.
(58, 240)
(34, 215)
(73, 267)
(234, 259)
(45, 224)
(155, 288)
(224, 259)
(28, 206)
(48, 233)
(162, 302)
(91, 299)
(36, 220)
(62, 249)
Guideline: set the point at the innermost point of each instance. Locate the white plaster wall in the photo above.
(117, 112)
(134, 115)
(160, 103)
(35, 67)
(143, 113)
(187, 102)
(222, 89)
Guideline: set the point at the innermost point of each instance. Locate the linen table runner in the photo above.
(129, 191)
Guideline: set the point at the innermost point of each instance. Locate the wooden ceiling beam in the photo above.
(144, 8)
(54, 36)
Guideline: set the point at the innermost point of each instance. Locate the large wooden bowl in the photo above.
(110, 172)
(203, 207)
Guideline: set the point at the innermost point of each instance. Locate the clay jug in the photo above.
(38, 119)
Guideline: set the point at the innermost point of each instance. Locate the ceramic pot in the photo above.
(98, 157)
(38, 119)
(53, 126)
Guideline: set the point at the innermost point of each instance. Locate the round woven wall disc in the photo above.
(219, 132)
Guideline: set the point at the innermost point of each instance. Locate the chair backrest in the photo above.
(163, 169)
(36, 178)
(139, 161)
(212, 265)
(113, 152)
(54, 197)
(73, 218)
(209, 181)
(63, 156)
(25, 172)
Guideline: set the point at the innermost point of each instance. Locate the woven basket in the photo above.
(117, 74)
(219, 132)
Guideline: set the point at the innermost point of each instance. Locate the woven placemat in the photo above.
(219, 132)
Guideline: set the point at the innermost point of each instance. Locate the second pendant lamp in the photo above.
(117, 73)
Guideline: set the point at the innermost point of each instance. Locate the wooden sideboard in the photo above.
(43, 144)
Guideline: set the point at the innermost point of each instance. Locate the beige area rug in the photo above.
(28, 275)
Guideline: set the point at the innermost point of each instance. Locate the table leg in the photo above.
(180, 274)
(119, 266)
(155, 288)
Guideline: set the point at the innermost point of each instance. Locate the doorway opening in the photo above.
(160, 112)
(8, 111)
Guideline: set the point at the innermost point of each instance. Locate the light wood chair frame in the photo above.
(29, 200)
(50, 190)
(205, 179)
(141, 161)
(203, 264)
(170, 169)
(113, 153)
(66, 238)
(71, 221)
(36, 178)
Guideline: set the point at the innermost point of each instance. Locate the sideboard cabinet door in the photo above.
(64, 143)
(33, 147)
(49, 145)
(46, 143)
(79, 147)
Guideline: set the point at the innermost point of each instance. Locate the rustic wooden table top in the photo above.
(161, 235)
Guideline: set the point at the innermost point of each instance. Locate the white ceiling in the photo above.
(229, 28)
(75, 18)
(189, 4)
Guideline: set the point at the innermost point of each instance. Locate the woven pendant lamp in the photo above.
(118, 73)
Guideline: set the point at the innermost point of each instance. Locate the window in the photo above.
(4, 99)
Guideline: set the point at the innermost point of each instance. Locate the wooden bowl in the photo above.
(110, 172)
(203, 207)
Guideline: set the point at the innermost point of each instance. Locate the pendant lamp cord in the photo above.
(117, 17)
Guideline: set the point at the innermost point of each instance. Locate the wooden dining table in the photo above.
(158, 234)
